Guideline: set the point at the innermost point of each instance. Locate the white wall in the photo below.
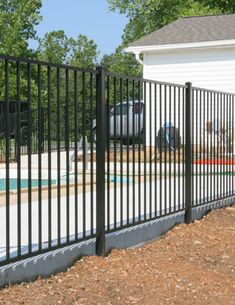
(209, 69)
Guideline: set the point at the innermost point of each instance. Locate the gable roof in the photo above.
(190, 30)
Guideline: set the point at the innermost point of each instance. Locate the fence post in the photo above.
(188, 154)
(100, 161)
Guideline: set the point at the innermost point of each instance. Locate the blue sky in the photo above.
(88, 17)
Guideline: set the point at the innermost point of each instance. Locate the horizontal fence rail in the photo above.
(84, 153)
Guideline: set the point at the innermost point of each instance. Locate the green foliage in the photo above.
(198, 9)
(18, 19)
(84, 52)
(224, 6)
(55, 47)
(121, 63)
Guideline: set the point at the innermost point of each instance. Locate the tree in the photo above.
(121, 63)
(225, 6)
(84, 52)
(55, 47)
(18, 19)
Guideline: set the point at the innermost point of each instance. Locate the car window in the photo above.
(138, 108)
(121, 110)
(2, 107)
(24, 107)
(13, 107)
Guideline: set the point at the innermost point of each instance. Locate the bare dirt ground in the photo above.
(191, 264)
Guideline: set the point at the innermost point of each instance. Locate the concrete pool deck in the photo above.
(171, 198)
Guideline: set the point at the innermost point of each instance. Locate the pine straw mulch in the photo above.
(191, 264)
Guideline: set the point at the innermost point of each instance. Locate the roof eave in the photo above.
(179, 46)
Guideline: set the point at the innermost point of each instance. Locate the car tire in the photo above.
(127, 142)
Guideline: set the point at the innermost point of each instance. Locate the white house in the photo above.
(200, 50)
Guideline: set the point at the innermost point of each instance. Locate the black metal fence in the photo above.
(94, 152)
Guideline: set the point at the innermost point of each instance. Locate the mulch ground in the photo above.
(191, 264)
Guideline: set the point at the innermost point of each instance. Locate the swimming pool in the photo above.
(24, 183)
(35, 182)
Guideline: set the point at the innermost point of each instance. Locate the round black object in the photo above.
(169, 138)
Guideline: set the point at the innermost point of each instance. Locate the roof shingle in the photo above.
(192, 29)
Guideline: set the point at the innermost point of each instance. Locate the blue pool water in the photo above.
(35, 182)
(24, 183)
(118, 178)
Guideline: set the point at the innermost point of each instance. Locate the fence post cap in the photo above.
(188, 84)
(100, 68)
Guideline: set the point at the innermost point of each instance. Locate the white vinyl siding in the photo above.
(206, 68)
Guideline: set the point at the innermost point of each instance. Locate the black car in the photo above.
(12, 128)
